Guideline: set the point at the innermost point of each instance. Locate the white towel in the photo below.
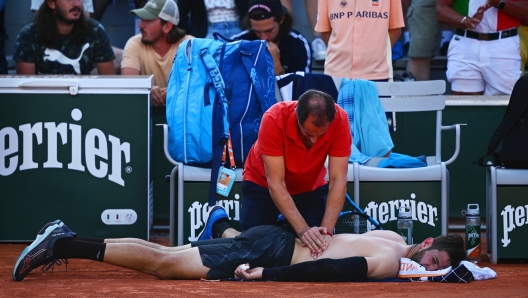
(411, 269)
(478, 272)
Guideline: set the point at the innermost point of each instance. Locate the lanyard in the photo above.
(229, 149)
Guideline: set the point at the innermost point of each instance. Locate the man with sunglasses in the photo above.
(272, 22)
(285, 171)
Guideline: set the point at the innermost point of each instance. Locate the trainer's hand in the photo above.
(314, 239)
(248, 274)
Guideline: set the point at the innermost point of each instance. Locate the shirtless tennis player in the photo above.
(271, 252)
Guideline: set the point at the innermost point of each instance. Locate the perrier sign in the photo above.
(79, 158)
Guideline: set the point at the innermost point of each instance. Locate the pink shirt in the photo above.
(358, 44)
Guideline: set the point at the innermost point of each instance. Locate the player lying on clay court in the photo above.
(270, 252)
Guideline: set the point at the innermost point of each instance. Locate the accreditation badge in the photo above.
(226, 178)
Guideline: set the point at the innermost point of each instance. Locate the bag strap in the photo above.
(220, 37)
(220, 109)
(228, 151)
(218, 82)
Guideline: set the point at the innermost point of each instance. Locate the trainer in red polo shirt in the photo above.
(285, 169)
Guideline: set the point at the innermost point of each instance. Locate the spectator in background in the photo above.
(3, 37)
(426, 34)
(272, 22)
(62, 40)
(153, 50)
(88, 12)
(359, 36)
(483, 56)
(318, 45)
(201, 18)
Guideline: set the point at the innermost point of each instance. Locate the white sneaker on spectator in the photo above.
(319, 49)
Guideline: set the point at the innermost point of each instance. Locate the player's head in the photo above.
(268, 19)
(441, 252)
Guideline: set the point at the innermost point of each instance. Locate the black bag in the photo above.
(513, 131)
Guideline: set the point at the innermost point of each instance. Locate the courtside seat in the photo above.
(369, 180)
(506, 214)
(181, 177)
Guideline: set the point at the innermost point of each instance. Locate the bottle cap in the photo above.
(473, 210)
(405, 212)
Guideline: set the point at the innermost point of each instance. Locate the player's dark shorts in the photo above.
(262, 246)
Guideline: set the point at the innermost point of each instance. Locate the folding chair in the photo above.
(380, 191)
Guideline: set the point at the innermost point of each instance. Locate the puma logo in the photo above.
(55, 55)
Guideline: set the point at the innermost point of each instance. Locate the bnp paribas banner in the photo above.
(83, 159)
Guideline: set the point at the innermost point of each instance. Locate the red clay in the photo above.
(94, 279)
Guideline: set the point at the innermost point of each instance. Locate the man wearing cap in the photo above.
(62, 40)
(153, 50)
(272, 22)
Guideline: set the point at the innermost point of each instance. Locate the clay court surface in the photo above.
(94, 279)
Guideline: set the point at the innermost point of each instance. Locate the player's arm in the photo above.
(25, 68)
(318, 270)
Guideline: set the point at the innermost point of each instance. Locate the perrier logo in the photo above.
(473, 236)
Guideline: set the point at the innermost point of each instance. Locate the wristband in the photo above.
(329, 234)
(463, 20)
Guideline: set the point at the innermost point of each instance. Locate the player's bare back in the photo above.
(382, 249)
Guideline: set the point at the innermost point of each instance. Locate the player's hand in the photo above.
(244, 272)
(314, 239)
(158, 96)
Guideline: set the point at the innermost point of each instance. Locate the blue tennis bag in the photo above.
(215, 87)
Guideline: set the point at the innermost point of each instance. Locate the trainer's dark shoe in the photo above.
(215, 213)
(40, 252)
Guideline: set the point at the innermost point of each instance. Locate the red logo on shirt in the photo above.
(375, 3)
